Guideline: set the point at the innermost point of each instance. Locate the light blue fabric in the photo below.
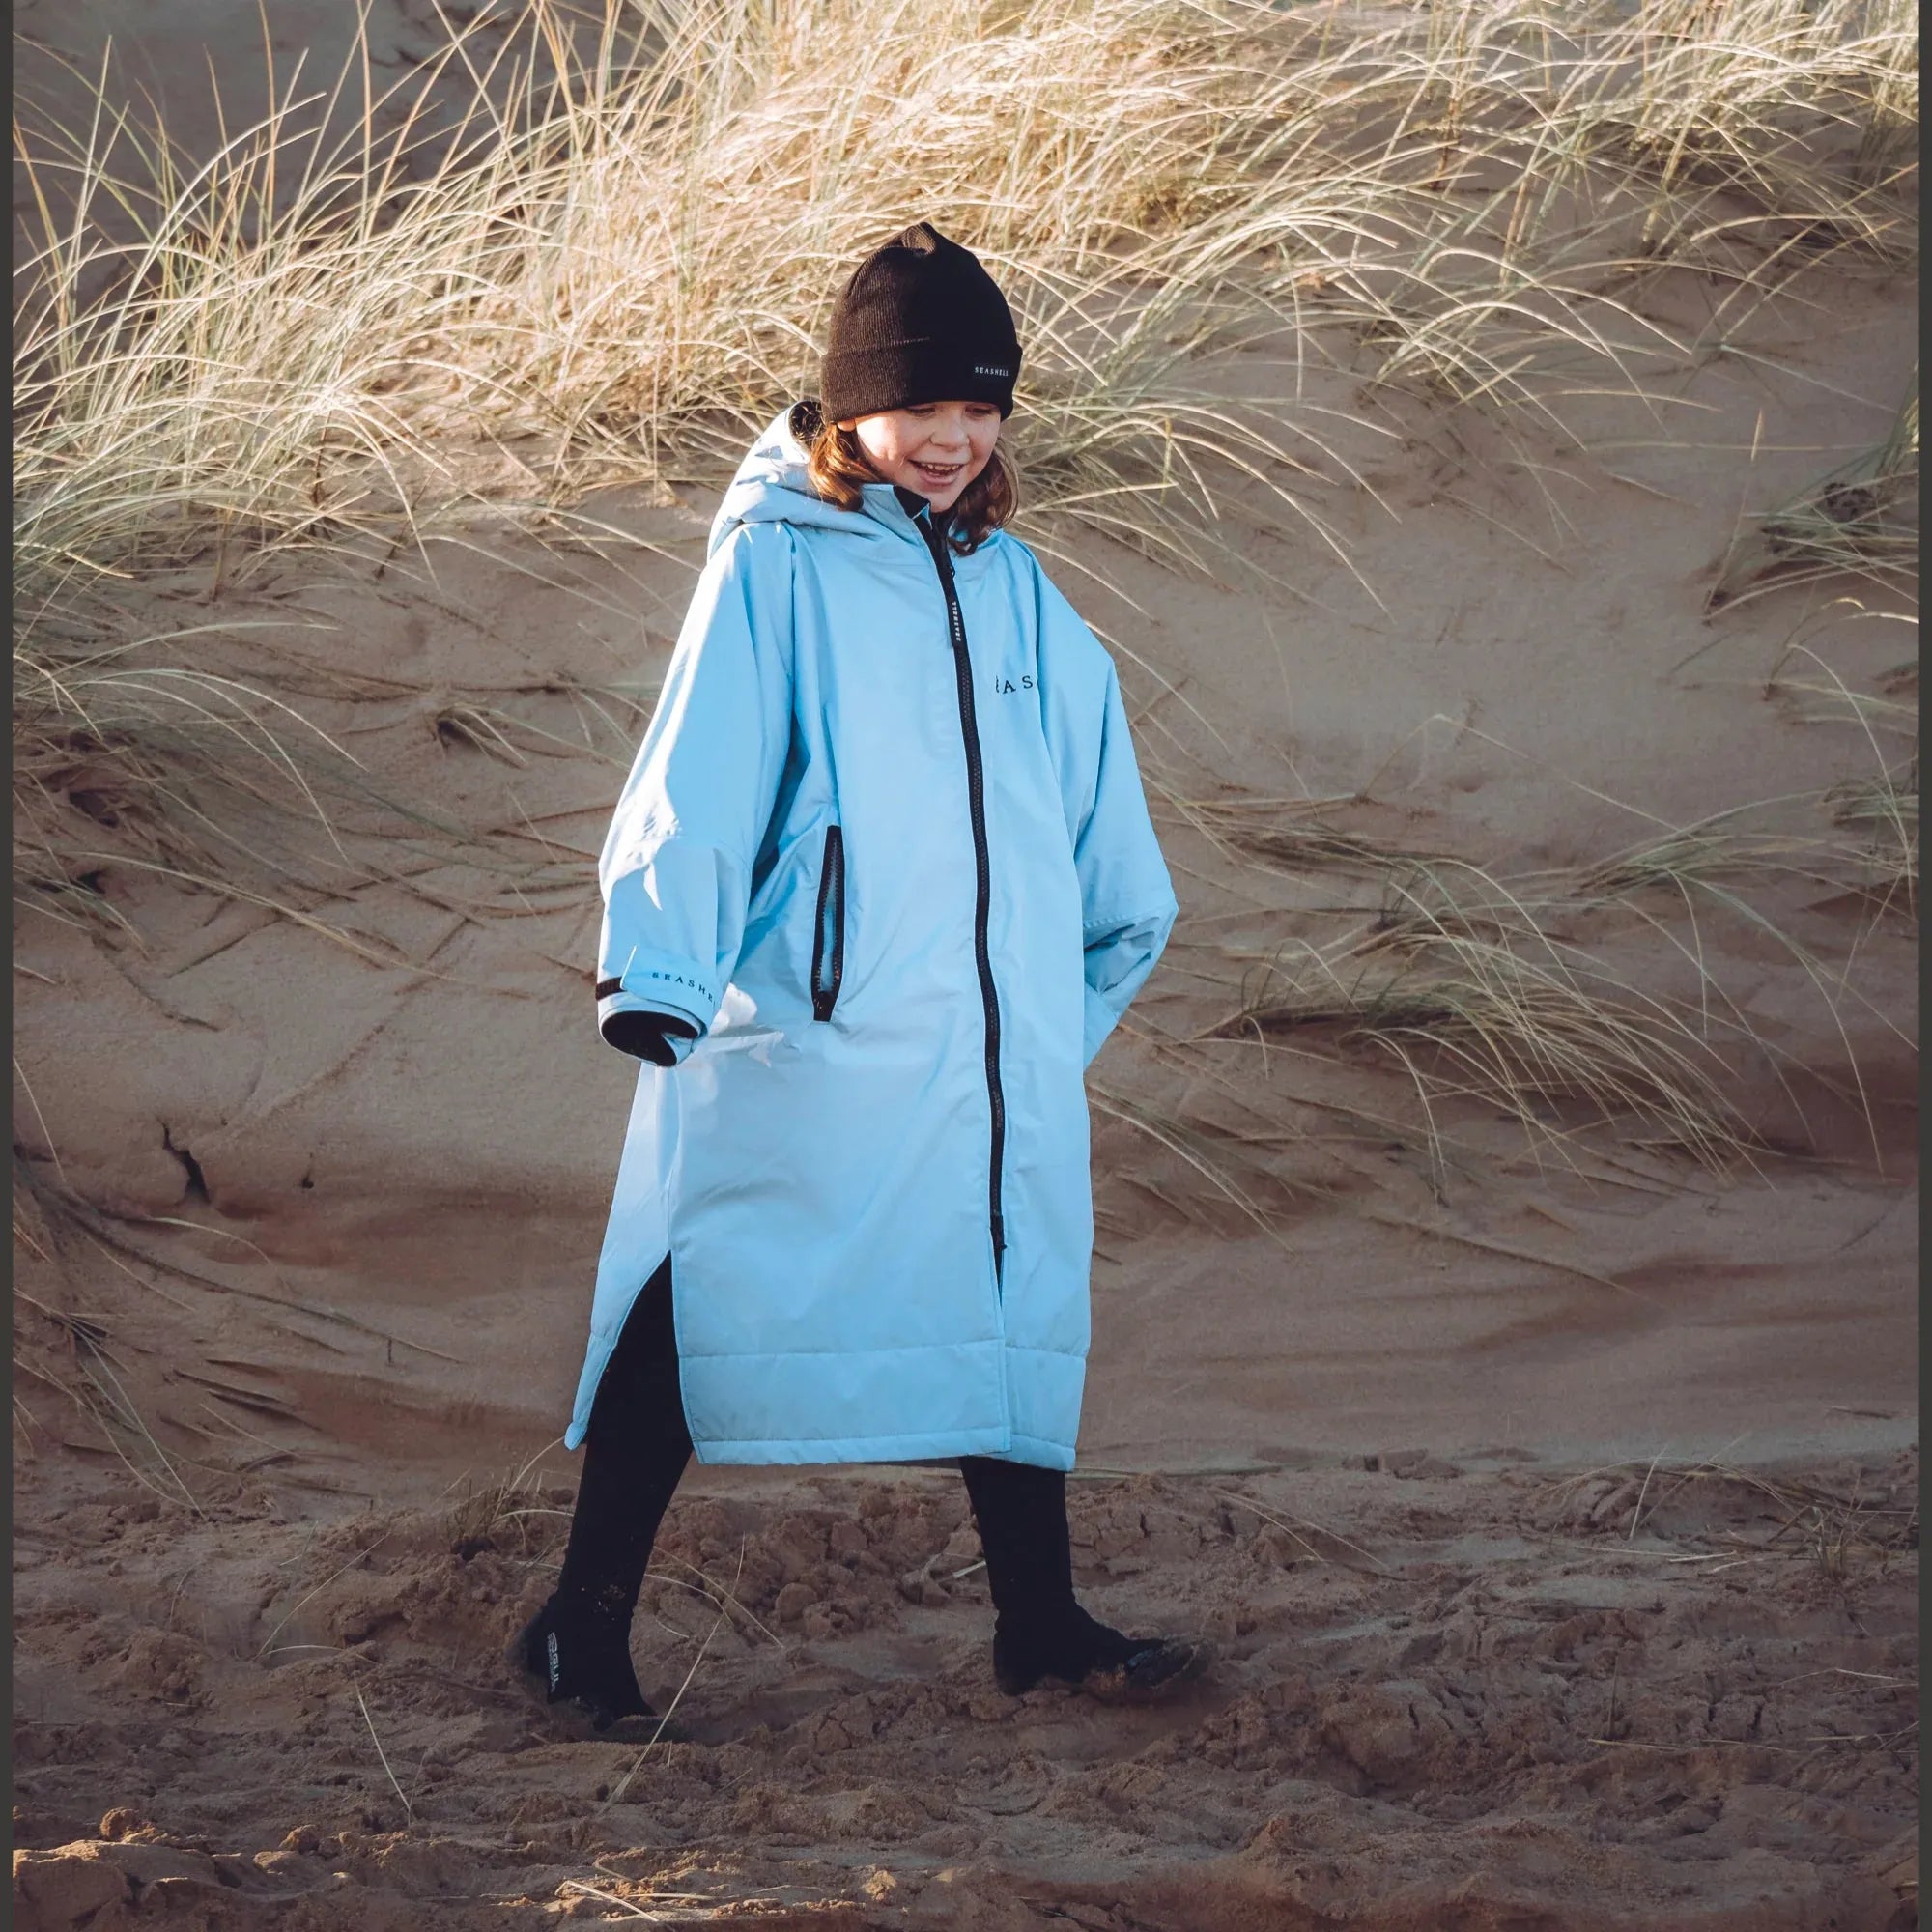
(822, 1185)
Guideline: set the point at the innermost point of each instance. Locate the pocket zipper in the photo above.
(827, 944)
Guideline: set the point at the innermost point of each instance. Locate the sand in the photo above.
(1555, 1523)
(1471, 1695)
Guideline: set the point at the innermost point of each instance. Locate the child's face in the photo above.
(933, 448)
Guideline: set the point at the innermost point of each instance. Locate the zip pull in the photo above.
(935, 541)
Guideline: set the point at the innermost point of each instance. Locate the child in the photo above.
(880, 883)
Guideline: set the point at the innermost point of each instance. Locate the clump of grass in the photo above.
(618, 274)
(1883, 813)
(1477, 1001)
(1298, 838)
(1536, 171)
(128, 752)
(131, 757)
(1687, 857)
(74, 1354)
(1835, 1526)
(1859, 518)
(1506, 994)
(1813, 693)
(1879, 809)
(508, 1514)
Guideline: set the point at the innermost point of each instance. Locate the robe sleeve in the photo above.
(1126, 898)
(676, 865)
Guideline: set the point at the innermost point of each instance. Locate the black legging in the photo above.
(637, 1447)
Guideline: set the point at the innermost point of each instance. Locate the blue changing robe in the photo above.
(884, 847)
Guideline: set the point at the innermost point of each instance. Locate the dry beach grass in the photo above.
(1488, 435)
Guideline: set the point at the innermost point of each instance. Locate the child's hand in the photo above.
(648, 1035)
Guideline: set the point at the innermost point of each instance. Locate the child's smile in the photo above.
(935, 449)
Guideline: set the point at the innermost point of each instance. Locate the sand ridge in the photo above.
(1494, 1696)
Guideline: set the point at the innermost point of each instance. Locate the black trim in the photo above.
(606, 987)
(975, 799)
(831, 919)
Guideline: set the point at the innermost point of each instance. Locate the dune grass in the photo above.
(1840, 1528)
(1883, 812)
(506, 1514)
(1859, 518)
(1524, 996)
(1462, 981)
(123, 751)
(1246, 244)
(621, 268)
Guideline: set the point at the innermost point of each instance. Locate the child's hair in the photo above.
(838, 468)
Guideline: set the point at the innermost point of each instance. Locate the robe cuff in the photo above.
(660, 985)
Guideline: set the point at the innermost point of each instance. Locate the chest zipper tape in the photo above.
(976, 800)
(827, 939)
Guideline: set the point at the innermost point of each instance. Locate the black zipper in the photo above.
(976, 800)
(827, 939)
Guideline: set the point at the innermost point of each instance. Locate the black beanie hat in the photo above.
(920, 322)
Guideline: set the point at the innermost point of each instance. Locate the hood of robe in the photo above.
(771, 487)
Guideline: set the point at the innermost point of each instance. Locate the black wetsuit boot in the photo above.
(579, 1645)
(1040, 1631)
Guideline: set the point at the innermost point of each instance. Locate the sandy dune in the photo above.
(1443, 1700)
(1553, 1515)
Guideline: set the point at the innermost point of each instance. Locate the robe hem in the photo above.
(929, 1447)
(687, 1355)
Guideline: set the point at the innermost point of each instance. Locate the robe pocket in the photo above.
(827, 939)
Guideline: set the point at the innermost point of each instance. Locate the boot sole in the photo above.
(1150, 1687)
(1178, 1663)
